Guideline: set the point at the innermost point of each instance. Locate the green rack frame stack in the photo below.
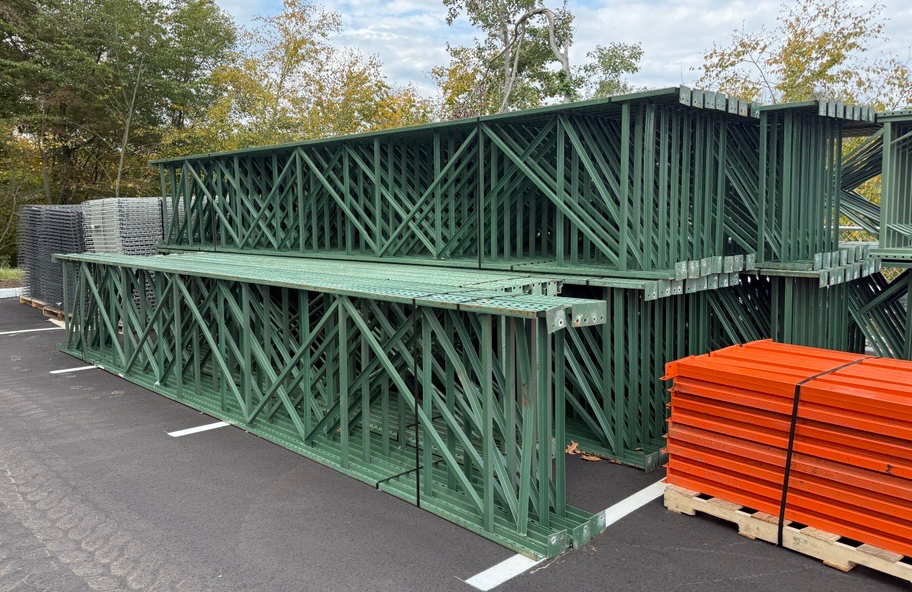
(890, 312)
(879, 307)
(800, 181)
(444, 394)
(622, 196)
(616, 400)
(863, 163)
(630, 186)
(801, 188)
(896, 194)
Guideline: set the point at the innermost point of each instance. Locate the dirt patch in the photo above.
(10, 284)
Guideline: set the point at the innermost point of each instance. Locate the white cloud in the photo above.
(674, 34)
(410, 36)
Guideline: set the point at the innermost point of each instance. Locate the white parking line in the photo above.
(30, 330)
(634, 502)
(76, 369)
(513, 566)
(505, 570)
(202, 428)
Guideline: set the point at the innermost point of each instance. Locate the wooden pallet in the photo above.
(48, 311)
(52, 312)
(831, 549)
(33, 302)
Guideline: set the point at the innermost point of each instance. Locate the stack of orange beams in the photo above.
(851, 466)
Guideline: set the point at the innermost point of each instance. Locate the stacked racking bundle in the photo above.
(29, 247)
(617, 403)
(655, 202)
(623, 196)
(896, 197)
(125, 225)
(43, 232)
(131, 226)
(630, 186)
(862, 164)
(800, 188)
(817, 438)
(882, 310)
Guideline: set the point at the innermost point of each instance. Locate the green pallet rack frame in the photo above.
(445, 396)
(616, 399)
(539, 269)
(629, 186)
(896, 194)
(800, 181)
(881, 310)
(863, 163)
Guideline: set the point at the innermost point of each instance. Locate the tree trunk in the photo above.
(45, 174)
(126, 133)
(45, 165)
(123, 149)
(562, 56)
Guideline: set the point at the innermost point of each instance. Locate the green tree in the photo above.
(819, 49)
(523, 60)
(49, 54)
(20, 184)
(465, 86)
(603, 75)
(155, 55)
(288, 82)
(511, 66)
(94, 83)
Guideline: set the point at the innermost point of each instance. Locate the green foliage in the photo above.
(516, 59)
(511, 60)
(818, 50)
(20, 184)
(92, 84)
(603, 75)
(10, 274)
(289, 83)
(465, 86)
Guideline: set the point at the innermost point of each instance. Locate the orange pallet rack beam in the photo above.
(818, 437)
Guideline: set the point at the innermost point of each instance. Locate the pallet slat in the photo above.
(822, 545)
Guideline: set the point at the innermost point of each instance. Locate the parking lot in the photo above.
(96, 495)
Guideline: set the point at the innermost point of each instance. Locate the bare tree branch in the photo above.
(512, 45)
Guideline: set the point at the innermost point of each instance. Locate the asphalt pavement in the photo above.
(94, 495)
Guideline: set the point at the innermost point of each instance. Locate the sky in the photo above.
(410, 36)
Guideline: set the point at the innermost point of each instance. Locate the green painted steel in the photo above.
(631, 186)
(443, 394)
(616, 398)
(805, 314)
(880, 309)
(896, 194)
(615, 395)
(659, 195)
(538, 270)
(800, 180)
(856, 313)
(863, 163)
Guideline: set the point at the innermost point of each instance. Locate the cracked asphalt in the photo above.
(94, 495)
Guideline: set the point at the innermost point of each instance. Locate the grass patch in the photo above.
(10, 273)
